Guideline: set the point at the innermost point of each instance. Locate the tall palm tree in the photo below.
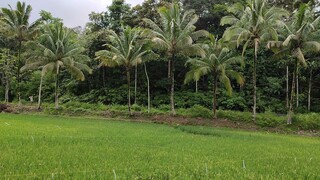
(175, 34)
(57, 49)
(299, 41)
(17, 22)
(217, 63)
(126, 49)
(252, 24)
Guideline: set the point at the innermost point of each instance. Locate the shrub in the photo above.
(309, 121)
(117, 108)
(164, 107)
(235, 115)
(136, 107)
(75, 104)
(262, 119)
(235, 102)
(269, 120)
(195, 111)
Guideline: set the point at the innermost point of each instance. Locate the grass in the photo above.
(43, 147)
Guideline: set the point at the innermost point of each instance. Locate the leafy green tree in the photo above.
(299, 42)
(57, 49)
(252, 24)
(118, 14)
(210, 13)
(217, 63)
(17, 22)
(47, 18)
(125, 49)
(148, 9)
(175, 34)
(98, 21)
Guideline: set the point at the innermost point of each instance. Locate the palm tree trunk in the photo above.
(297, 93)
(104, 76)
(135, 83)
(56, 94)
(6, 98)
(290, 110)
(129, 91)
(196, 86)
(287, 89)
(169, 68)
(40, 91)
(148, 83)
(7, 88)
(309, 91)
(173, 112)
(256, 46)
(215, 87)
(18, 72)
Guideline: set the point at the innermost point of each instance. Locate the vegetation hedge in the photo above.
(310, 121)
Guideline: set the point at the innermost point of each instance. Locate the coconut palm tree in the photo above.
(299, 41)
(252, 24)
(17, 23)
(126, 49)
(56, 49)
(176, 35)
(217, 63)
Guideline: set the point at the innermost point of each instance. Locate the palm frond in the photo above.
(311, 46)
(300, 57)
(227, 83)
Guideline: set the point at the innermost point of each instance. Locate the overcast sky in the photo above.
(73, 12)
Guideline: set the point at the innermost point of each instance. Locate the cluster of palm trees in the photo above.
(51, 46)
(287, 34)
(176, 35)
(253, 24)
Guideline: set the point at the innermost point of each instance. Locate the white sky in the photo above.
(73, 12)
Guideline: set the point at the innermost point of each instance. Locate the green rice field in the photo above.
(49, 147)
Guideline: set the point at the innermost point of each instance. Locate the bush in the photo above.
(136, 107)
(235, 115)
(235, 102)
(309, 121)
(117, 108)
(195, 111)
(164, 107)
(82, 111)
(262, 119)
(71, 105)
(269, 120)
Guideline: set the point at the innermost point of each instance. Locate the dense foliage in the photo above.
(163, 44)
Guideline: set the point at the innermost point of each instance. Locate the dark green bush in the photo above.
(164, 107)
(71, 105)
(185, 99)
(235, 102)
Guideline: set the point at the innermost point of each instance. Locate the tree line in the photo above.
(177, 53)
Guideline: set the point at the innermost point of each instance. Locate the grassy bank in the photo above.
(309, 121)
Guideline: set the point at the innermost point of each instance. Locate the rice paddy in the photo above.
(49, 147)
